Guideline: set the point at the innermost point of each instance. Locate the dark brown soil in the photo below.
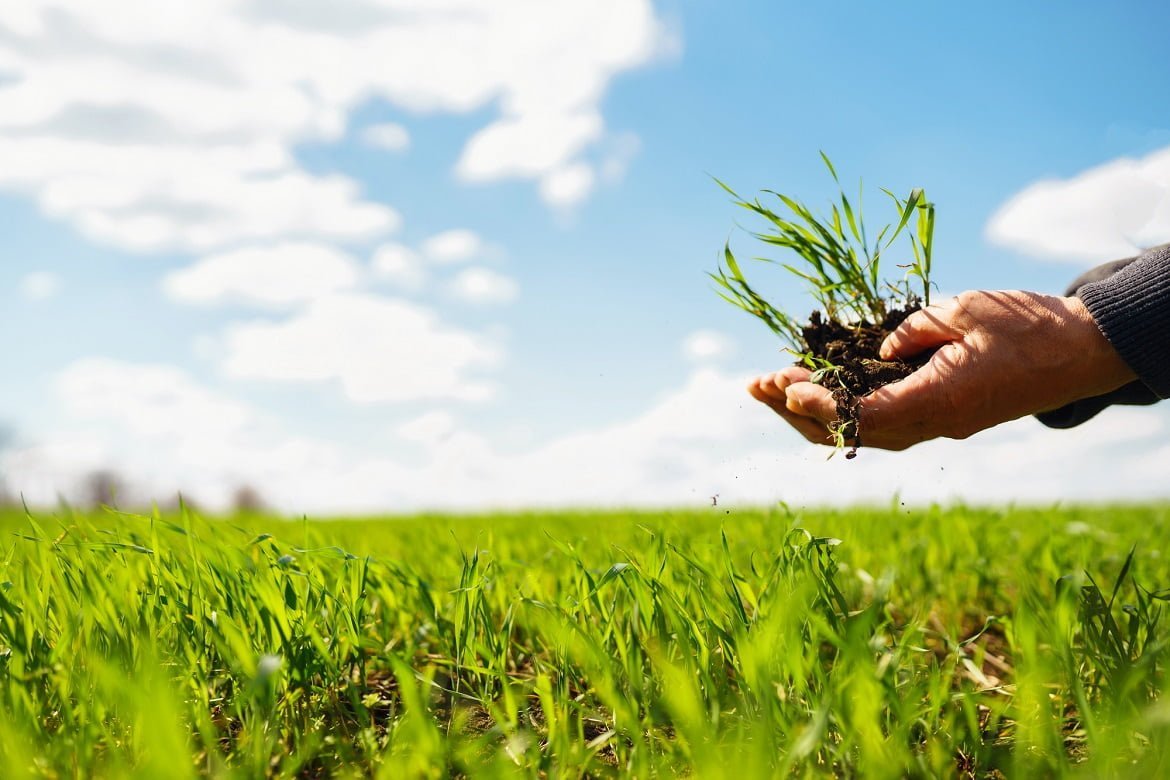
(854, 349)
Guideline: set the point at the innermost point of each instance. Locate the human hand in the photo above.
(1001, 355)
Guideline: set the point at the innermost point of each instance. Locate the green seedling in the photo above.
(834, 256)
(862, 642)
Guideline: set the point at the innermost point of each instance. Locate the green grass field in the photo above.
(879, 642)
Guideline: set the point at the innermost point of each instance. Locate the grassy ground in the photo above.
(942, 642)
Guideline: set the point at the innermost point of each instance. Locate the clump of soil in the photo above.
(853, 348)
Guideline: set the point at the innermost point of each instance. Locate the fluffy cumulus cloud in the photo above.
(390, 136)
(378, 349)
(183, 195)
(170, 125)
(429, 428)
(452, 246)
(706, 345)
(704, 437)
(277, 275)
(1104, 213)
(400, 266)
(483, 286)
(165, 432)
(567, 186)
(148, 400)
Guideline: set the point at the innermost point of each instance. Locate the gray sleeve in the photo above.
(1132, 309)
(1130, 302)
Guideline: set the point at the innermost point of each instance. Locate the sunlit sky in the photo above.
(381, 255)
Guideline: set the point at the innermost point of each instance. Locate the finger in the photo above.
(922, 330)
(794, 374)
(805, 398)
(763, 389)
(784, 378)
(898, 415)
(811, 427)
(772, 386)
(769, 389)
(812, 430)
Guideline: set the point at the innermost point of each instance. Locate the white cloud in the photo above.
(452, 246)
(148, 400)
(400, 266)
(529, 145)
(1107, 212)
(159, 126)
(708, 437)
(567, 186)
(483, 286)
(43, 472)
(430, 428)
(164, 432)
(705, 345)
(703, 437)
(39, 285)
(390, 136)
(184, 195)
(378, 349)
(276, 275)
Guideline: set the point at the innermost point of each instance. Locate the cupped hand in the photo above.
(772, 389)
(1000, 355)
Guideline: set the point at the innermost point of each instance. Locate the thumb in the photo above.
(925, 328)
(909, 408)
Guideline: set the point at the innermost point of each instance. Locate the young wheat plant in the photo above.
(835, 257)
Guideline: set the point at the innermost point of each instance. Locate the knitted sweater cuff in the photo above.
(1132, 309)
(1072, 415)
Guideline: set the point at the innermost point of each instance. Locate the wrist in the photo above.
(1101, 368)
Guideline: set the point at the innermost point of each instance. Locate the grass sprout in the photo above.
(834, 255)
(868, 642)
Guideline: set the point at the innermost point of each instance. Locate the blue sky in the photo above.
(325, 347)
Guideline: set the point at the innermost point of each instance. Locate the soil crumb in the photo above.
(853, 348)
